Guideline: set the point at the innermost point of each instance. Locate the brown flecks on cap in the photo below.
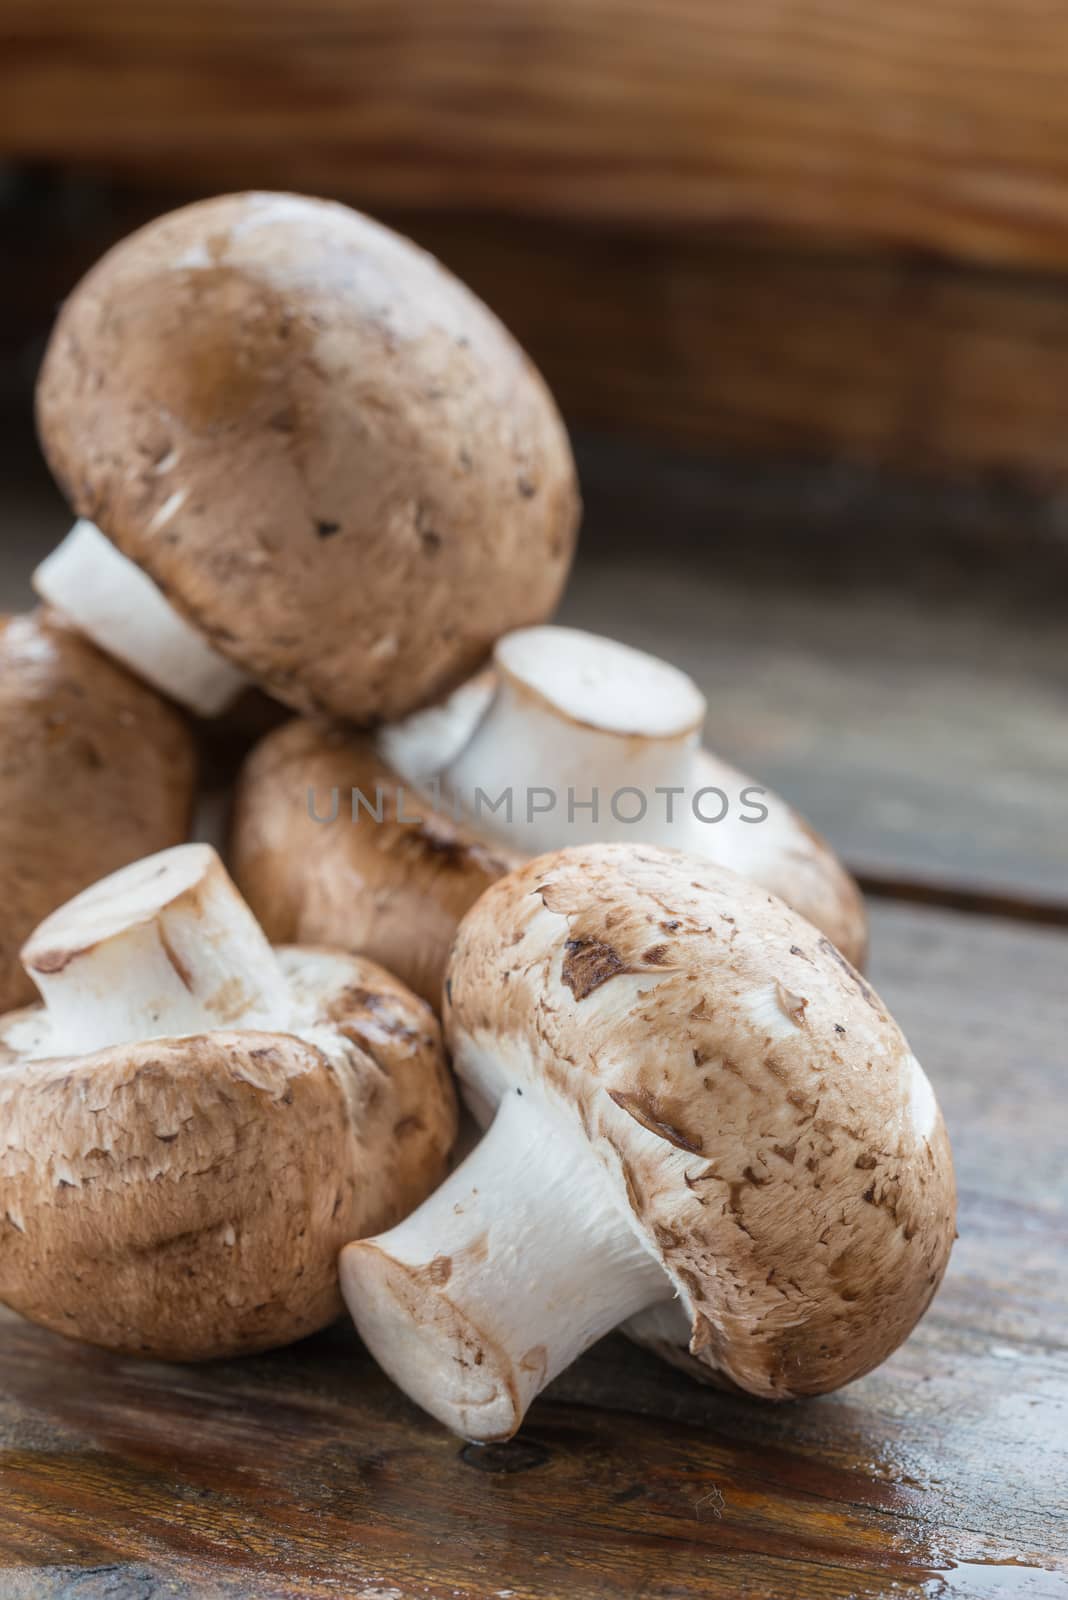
(691, 1282)
(735, 1192)
(644, 1109)
(588, 963)
(791, 1005)
(773, 1065)
(860, 983)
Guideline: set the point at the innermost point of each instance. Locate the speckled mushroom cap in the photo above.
(763, 1119)
(326, 451)
(187, 1198)
(193, 1123)
(95, 771)
(698, 1113)
(329, 847)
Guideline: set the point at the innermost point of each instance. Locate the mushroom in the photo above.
(302, 449)
(329, 848)
(96, 770)
(579, 738)
(700, 1111)
(193, 1123)
(383, 853)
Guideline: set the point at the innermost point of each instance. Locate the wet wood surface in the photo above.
(306, 1473)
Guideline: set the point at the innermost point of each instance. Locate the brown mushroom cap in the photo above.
(392, 889)
(766, 1126)
(326, 451)
(96, 770)
(187, 1198)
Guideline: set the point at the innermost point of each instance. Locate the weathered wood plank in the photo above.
(940, 127)
(904, 685)
(306, 1474)
(715, 342)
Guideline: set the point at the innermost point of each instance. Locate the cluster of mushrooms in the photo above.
(306, 461)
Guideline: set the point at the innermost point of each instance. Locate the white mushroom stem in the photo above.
(118, 606)
(163, 948)
(583, 734)
(419, 746)
(514, 1267)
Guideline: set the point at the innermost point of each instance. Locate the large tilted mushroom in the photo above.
(579, 738)
(700, 1111)
(300, 450)
(193, 1123)
(329, 847)
(95, 771)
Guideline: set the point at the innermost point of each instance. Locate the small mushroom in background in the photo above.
(568, 713)
(328, 848)
(193, 1123)
(701, 1115)
(302, 451)
(96, 771)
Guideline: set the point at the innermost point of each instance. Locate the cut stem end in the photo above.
(163, 948)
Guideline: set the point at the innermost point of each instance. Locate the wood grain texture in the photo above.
(942, 127)
(714, 342)
(306, 1474)
(905, 685)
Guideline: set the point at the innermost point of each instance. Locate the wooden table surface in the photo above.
(908, 688)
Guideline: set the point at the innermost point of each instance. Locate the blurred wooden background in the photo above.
(784, 228)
